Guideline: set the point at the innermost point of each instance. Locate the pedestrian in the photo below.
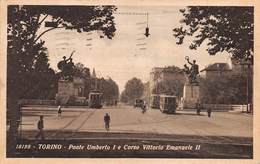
(209, 112)
(107, 121)
(198, 108)
(59, 111)
(40, 126)
(144, 107)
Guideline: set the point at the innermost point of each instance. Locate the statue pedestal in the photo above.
(191, 94)
(65, 90)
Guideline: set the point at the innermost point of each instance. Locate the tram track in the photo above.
(67, 125)
(82, 124)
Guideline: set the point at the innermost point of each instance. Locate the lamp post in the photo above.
(247, 68)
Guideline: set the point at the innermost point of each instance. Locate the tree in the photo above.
(123, 97)
(81, 71)
(226, 90)
(133, 89)
(26, 49)
(110, 89)
(228, 29)
(28, 71)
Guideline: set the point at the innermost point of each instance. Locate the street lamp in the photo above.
(147, 28)
(247, 64)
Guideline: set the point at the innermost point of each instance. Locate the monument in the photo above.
(70, 88)
(191, 90)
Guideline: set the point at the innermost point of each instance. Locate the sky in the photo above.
(129, 54)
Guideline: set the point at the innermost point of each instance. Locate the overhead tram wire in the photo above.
(89, 40)
(140, 44)
(140, 25)
(140, 39)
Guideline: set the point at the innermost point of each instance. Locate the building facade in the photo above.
(216, 70)
(162, 79)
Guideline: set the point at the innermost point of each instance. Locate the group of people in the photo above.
(40, 124)
(209, 111)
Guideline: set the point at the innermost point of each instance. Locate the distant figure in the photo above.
(144, 107)
(198, 108)
(40, 126)
(107, 121)
(59, 111)
(209, 112)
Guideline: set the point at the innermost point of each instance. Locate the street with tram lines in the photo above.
(223, 135)
(131, 120)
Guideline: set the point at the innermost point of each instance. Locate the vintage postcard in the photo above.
(121, 80)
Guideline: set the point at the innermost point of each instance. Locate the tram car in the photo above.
(139, 103)
(95, 99)
(155, 101)
(168, 104)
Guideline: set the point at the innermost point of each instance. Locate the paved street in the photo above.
(224, 135)
(131, 120)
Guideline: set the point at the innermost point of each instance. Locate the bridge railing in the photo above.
(37, 102)
(225, 107)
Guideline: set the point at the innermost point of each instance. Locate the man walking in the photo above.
(209, 112)
(198, 108)
(59, 111)
(107, 121)
(40, 128)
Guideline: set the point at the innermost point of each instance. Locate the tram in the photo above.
(95, 99)
(168, 104)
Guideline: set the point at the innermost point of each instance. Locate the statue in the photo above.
(191, 72)
(67, 68)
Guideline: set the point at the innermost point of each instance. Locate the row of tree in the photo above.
(234, 89)
(134, 89)
(231, 89)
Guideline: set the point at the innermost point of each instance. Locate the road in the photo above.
(126, 119)
(224, 135)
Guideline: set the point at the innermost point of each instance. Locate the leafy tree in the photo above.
(28, 71)
(133, 89)
(226, 90)
(110, 89)
(26, 50)
(81, 71)
(123, 97)
(224, 28)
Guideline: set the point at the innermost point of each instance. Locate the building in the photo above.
(71, 91)
(161, 76)
(216, 70)
(237, 68)
(76, 92)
